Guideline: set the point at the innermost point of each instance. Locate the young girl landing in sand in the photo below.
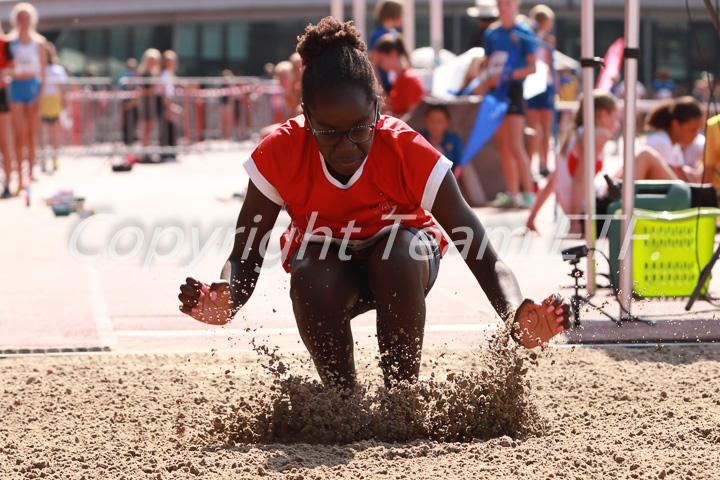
(360, 189)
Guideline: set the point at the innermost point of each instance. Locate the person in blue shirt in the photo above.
(388, 14)
(437, 122)
(510, 39)
(663, 86)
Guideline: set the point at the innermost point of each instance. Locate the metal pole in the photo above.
(409, 25)
(588, 52)
(436, 28)
(359, 13)
(337, 9)
(632, 40)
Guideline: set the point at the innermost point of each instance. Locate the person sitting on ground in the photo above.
(711, 157)
(663, 87)
(567, 182)
(675, 124)
(473, 76)
(408, 90)
(363, 191)
(388, 15)
(437, 122)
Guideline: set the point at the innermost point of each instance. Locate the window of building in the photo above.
(120, 43)
(212, 42)
(237, 42)
(141, 40)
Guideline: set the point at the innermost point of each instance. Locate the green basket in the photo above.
(667, 247)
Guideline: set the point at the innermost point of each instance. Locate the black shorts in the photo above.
(4, 105)
(517, 102)
(151, 107)
(362, 260)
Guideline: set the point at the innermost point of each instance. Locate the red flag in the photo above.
(613, 62)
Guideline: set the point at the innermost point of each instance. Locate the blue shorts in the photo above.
(24, 91)
(543, 101)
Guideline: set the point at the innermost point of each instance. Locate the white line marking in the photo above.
(465, 327)
(104, 325)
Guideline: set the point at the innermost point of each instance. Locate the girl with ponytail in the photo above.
(361, 190)
(567, 181)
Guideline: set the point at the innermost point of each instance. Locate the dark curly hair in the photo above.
(332, 54)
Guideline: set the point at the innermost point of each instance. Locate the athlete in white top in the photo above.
(28, 78)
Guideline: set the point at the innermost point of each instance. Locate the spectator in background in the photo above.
(500, 40)
(567, 90)
(52, 103)
(229, 112)
(702, 87)
(6, 58)
(129, 106)
(486, 13)
(693, 158)
(568, 85)
(437, 122)
(675, 124)
(388, 15)
(663, 87)
(297, 71)
(567, 182)
(149, 70)
(169, 111)
(268, 71)
(285, 75)
(28, 77)
(408, 90)
(474, 75)
(711, 158)
(541, 108)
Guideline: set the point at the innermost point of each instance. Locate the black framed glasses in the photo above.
(358, 134)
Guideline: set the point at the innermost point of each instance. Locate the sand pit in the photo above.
(599, 414)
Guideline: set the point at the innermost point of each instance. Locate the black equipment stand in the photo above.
(573, 255)
(704, 275)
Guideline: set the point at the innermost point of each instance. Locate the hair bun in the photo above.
(328, 34)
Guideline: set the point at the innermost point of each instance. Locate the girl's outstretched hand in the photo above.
(212, 304)
(535, 324)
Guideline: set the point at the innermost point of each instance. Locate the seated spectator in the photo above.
(567, 181)
(408, 90)
(663, 87)
(693, 157)
(675, 124)
(711, 172)
(474, 75)
(437, 122)
(388, 15)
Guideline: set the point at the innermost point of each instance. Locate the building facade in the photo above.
(242, 35)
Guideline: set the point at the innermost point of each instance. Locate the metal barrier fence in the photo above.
(151, 116)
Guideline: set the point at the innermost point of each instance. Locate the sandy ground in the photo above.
(598, 414)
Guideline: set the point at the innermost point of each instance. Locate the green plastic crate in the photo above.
(665, 262)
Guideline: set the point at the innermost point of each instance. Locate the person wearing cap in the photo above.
(485, 12)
